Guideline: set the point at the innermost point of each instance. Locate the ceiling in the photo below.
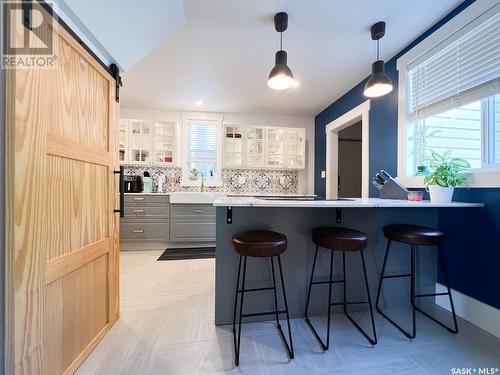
(223, 53)
(123, 31)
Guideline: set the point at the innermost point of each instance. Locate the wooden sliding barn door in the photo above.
(62, 234)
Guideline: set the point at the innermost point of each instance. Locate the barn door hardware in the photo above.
(115, 71)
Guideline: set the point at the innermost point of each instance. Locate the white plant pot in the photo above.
(440, 194)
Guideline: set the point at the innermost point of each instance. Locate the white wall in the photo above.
(306, 176)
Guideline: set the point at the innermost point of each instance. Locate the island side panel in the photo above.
(296, 224)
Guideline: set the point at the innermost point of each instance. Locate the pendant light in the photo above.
(281, 76)
(379, 83)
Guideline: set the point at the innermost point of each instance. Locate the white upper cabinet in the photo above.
(144, 141)
(276, 147)
(264, 147)
(255, 154)
(147, 141)
(295, 148)
(243, 146)
(233, 146)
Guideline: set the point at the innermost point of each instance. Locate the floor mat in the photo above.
(188, 253)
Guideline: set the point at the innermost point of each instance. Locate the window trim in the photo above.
(186, 117)
(484, 177)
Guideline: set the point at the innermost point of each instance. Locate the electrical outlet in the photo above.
(323, 174)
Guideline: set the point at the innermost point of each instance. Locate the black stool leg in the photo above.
(310, 284)
(236, 299)
(412, 292)
(288, 347)
(275, 294)
(386, 255)
(383, 276)
(330, 282)
(447, 281)
(373, 340)
(237, 343)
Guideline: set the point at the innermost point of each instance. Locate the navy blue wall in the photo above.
(473, 249)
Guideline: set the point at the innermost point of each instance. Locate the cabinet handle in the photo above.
(139, 231)
(198, 211)
(138, 199)
(139, 211)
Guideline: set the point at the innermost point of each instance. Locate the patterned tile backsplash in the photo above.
(243, 181)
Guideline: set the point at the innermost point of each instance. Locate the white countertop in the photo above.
(354, 203)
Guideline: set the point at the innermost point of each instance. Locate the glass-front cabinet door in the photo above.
(233, 146)
(123, 141)
(140, 141)
(275, 147)
(163, 142)
(295, 148)
(144, 141)
(255, 156)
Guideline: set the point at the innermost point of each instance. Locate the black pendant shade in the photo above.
(379, 83)
(280, 77)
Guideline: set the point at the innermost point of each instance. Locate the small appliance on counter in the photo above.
(147, 182)
(389, 188)
(133, 184)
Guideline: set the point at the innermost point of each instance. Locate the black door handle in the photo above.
(121, 172)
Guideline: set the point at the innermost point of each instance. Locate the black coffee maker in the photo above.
(133, 184)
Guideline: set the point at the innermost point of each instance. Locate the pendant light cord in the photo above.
(378, 47)
(281, 41)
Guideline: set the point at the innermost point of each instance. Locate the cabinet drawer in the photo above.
(192, 230)
(188, 211)
(149, 212)
(144, 230)
(145, 199)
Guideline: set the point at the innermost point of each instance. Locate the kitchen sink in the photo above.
(194, 197)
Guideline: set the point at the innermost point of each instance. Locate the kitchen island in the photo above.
(296, 218)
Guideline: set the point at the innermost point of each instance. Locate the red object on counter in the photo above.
(415, 196)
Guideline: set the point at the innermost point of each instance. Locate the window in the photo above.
(449, 95)
(201, 140)
(471, 132)
(202, 147)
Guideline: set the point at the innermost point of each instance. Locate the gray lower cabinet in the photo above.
(192, 223)
(146, 224)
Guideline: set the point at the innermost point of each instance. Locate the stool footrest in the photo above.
(327, 282)
(394, 276)
(256, 289)
(431, 294)
(349, 303)
(263, 313)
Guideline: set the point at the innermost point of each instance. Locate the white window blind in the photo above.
(202, 148)
(462, 69)
(202, 140)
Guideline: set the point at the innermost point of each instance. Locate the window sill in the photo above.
(208, 183)
(481, 178)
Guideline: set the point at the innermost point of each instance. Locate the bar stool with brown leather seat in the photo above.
(415, 235)
(260, 244)
(340, 239)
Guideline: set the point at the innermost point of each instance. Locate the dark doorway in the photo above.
(349, 177)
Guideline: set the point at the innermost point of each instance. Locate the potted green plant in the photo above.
(444, 176)
(193, 174)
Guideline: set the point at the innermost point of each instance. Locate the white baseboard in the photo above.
(478, 313)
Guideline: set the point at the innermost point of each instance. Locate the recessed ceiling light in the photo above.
(199, 103)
